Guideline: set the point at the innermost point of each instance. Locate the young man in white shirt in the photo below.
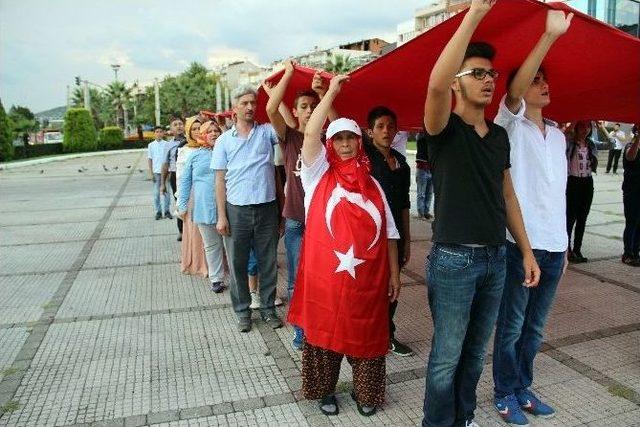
(618, 138)
(539, 175)
(156, 155)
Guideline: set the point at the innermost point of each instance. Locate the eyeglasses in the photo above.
(479, 73)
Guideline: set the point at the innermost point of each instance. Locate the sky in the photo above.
(44, 44)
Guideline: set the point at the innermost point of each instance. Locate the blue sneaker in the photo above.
(509, 409)
(298, 338)
(530, 403)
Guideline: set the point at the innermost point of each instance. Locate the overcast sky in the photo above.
(45, 43)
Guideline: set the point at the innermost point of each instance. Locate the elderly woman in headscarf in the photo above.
(197, 184)
(193, 256)
(348, 268)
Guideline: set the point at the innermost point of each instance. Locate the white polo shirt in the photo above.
(617, 137)
(539, 174)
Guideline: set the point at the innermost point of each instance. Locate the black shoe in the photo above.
(365, 411)
(168, 215)
(329, 405)
(244, 324)
(632, 261)
(396, 347)
(579, 258)
(217, 287)
(158, 215)
(272, 320)
(573, 258)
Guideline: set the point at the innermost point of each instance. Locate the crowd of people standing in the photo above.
(341, 199)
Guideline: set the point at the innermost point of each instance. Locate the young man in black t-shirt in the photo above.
(474, 205)
(392, 172)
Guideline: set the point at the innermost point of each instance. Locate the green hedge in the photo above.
(79, 131)
(6, 137)
(111, 138)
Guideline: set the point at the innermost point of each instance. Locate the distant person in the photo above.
(169, 167)
(156, 154)
(582, 156)
(424, 185)
(618, 139)
(631, 200)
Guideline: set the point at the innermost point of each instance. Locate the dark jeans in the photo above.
(394, 305)
(465, 288)
(257, 225)
(631, 236)
(614, 157)
(579, 198)
(523, 314)
(172, 180)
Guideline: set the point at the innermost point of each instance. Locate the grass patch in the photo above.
(623, 392)
(48, 305)
(10, 406)
(8, 371)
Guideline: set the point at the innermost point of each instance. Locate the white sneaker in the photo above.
(255, 301)
(471, 424)
(277, 302)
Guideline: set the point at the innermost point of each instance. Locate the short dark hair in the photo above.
(380, 111)
(174, 118)
(480, 50)
(300, 94)
(158, 127)
(512, 74)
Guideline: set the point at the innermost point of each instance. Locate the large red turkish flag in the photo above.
(593, 70)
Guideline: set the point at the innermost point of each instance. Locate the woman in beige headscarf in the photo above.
(193, 256)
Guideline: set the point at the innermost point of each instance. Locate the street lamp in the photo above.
(115, 68)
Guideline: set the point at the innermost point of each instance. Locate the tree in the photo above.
(101, 110)
(23, 120)
(118, 96)
(79, 131)
(340, 64)
(6, 136)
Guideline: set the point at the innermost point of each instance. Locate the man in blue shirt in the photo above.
(156, 156)
(247, 208)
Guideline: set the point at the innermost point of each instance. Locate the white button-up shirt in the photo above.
(539, 174)
(157, 154)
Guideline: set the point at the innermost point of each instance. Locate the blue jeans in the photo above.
(252, 265)
(523, 314)
(465, 288)
(165, 197)
(293, 231)
(424, 191)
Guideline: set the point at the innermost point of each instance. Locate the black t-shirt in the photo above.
(467, 173)
(631, 181)
(395, 183)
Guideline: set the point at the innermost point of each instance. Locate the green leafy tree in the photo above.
(79, 131)
(340, 64)
(24, 121)
(118, 96)
(6, 136)
(101, 110)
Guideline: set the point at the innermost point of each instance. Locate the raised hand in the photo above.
(481, 7)
(318, 84)
(289, 66)
(336, 83)
(557, 22)
(268, 87)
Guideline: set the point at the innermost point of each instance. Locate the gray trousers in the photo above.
(260, 223)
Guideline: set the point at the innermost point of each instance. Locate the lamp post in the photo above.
(115, 68)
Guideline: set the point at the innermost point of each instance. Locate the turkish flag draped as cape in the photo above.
(593, 69)
(340, 298)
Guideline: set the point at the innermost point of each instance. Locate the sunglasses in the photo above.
(479, 73)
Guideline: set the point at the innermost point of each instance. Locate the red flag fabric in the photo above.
(593, 70)
(340, 300)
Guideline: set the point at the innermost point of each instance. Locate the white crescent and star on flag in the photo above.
(348, 260)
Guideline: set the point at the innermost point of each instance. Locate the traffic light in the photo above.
(77, 80)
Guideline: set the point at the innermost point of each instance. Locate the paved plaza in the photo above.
(99, 327)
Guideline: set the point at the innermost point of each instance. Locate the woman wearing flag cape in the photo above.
(349, 266)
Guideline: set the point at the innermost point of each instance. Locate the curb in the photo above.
(23, 163)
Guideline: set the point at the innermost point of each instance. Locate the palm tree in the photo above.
(118, 97)
(340, 64)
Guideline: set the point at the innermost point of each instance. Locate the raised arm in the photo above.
(437, 106)
(312, 143)
(557, 24)
(319, 86)
(276, 94)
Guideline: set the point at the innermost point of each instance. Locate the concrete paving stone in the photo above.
(24, 297)
(50, 257)
(51, 203)
(135, 421)
(138, 227)
(626, 419)
(614, 269)
(165, 362)
(63, 216)
(594, 247)
(46, 233)
(605, 216)
(135, 212)
(137, 290)
(282, 415)
(134, 251)
(163, 417)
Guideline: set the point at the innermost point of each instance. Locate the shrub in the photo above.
(79, 131)
(6, 136)
(111, 138)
